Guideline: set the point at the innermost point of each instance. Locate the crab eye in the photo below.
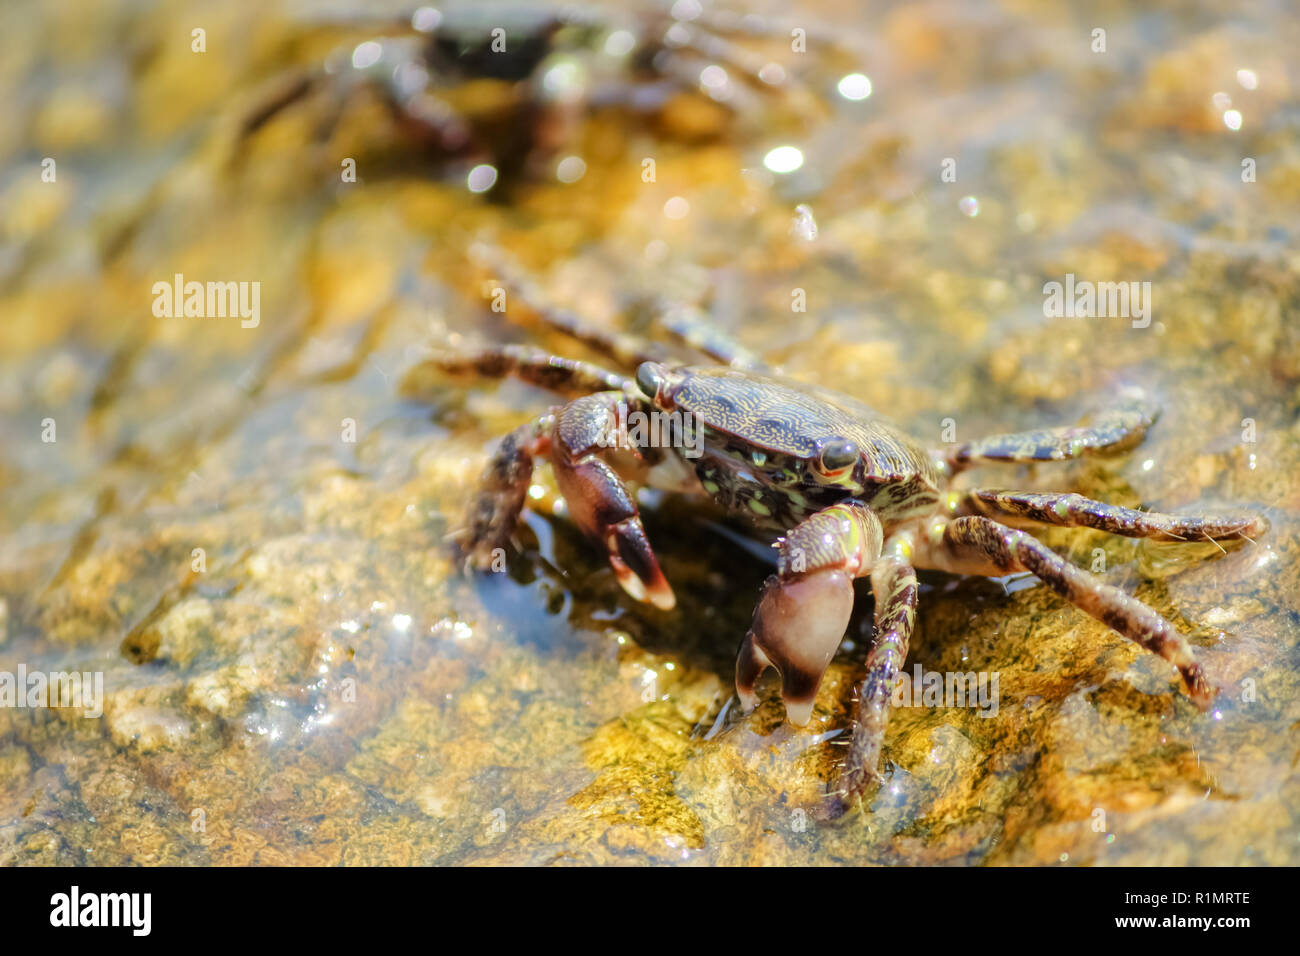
(837, 454)
(648, 378)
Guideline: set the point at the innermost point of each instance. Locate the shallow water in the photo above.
(241, 528)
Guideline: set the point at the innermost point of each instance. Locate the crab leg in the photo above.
(585, 430)
(689, 46)
(978, 545)
(1118, 429)
(495, 509)
(535, 366)
(626, 351)
(288, 92)
(893, 581)
(805, 606)
(422, 112)
(692, 326)
(1071, 510)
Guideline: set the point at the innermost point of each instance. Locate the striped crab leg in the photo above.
(1076, 511)
(495, 509)
(565, 376)
(979, 545)
(1115, 430)
(893, 581)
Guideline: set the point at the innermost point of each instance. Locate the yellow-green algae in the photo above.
(325, 690)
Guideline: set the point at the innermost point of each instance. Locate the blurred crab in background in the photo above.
(510, 84)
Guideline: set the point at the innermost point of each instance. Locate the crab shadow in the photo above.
(557, 590)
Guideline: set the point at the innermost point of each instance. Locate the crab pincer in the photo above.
(805, 607)
(599, 501)
(796, 629)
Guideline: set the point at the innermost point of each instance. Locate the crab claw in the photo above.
(635, 565)
(603, 507)
(796, 629)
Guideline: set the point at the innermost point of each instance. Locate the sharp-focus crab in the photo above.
(507, 83)
(847, 493)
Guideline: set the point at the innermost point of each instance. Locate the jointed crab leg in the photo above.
(1117, 430)
(693, 327)
(626, 351)
(978, 545)
(495, 509)
(535, 366)
(805, 606)
(420, 110)
(288, 92)
(707, 40)
(893, 581)
(687, 323)
(1071, 510)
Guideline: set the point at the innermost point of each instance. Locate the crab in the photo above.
(508, 83)
(843, 492)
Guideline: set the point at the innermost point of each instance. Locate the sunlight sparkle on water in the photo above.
(804, 225)
(713, 76)
(570, 169)
(855, 87)
(620, 43)
(783, 159)
(366, 54)
(564, 81)
(481, 178)
(426, 19)
(715, 82)
(686, 9)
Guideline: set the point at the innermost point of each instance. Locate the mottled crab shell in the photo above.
(791, 418)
